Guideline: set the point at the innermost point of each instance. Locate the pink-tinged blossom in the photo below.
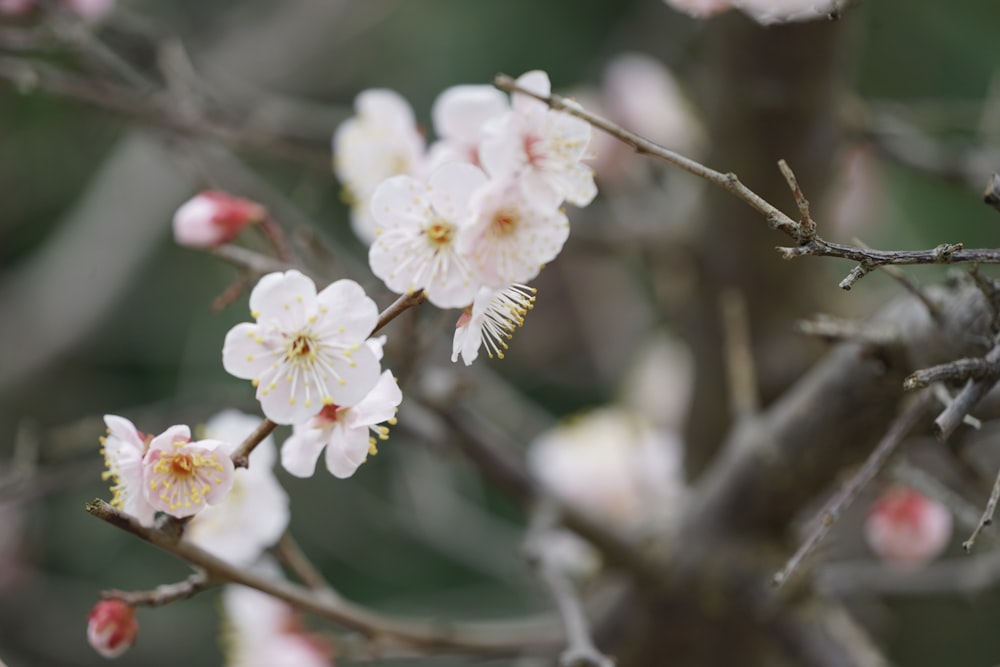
(541, 147)
(90, 10)
(490, 321)
(182, 476)
(418, 227)
(612, 464)
(459, 114)
(111, 628)
(16, 7)
(213, 217)
(381, 140)
(262, 631)
(345, 433)
(512, 236)
(124, 448)
(907, 529)
(700, 9)
(255, 512)
(305, 350)
(767, 12)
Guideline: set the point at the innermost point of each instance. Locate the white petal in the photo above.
(285, 297)
(356, 378)
(302, 449)
(353, 311)
(166, 440)
(246, 352)
(452, 187)
(379, 405)
(346, 451)
(400, 201)
(536, 81)
(124, 431)
(460, 112)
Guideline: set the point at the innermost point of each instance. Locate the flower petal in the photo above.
(283, 297)
(346, 451)
(379, 405)
(356, 314)
(246, 353)
(301, 450)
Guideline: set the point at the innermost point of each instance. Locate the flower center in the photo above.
(301, 349)
(329, 414)
(504, 222)
(440, 233)
(183, 478)
(533, 150)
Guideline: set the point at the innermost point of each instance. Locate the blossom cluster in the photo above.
(474, 216)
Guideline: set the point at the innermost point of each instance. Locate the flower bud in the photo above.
(111, 627)
(907, 529)
(213, 217)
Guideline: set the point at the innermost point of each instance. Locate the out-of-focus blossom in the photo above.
(16, 7)
(491, 321)
(306, 350)
(612, 464)
(90, 10)
(111, 627)
(700, 9)
(344, 431)
(255, 512)
(263, 631)
(513, 236)
(460, 114)
(379, 141)
(659, 382)
(542, 148)
(181, 476)
(123, 449)
(857, 202)
(417, 233)
(906, 528)
(213, 217)
(767, 12)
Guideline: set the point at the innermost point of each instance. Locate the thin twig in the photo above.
(498, 638)
(291, 555)
(832, 328)
(987, 518)
(580, 650)
(971, 394)
(808, 242)
(953, 371)
(164, 594)
(908, 283)
(849, 491)
(248, 259)
(808, 224)
(397, 307)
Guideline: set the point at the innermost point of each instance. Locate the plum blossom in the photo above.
(542, 147)
(380, 141)
(767, 12)
(418, 228)
(305, 350)
(491, 321)
(181, 476)
(907, 529)
(263, 631)
(700, 9)
(459, 115)
(512, 236)
(123, 449)
(111, 627)
(612, 464)
(255, 512)
(213, 217)
(344, 431)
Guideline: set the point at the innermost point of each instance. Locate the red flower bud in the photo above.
(111, 627)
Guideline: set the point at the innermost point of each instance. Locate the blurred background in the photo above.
(890, 116)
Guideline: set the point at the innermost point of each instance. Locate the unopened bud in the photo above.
(111, 627)
(907, 529)
(213, 217)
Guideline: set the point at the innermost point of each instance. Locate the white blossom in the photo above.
(490, 321)
(306, 350)
(181, 476)
(123, 449)
(255, 512)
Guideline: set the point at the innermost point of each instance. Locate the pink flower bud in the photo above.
(907, 529)
(111, 627)
(214, 217)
